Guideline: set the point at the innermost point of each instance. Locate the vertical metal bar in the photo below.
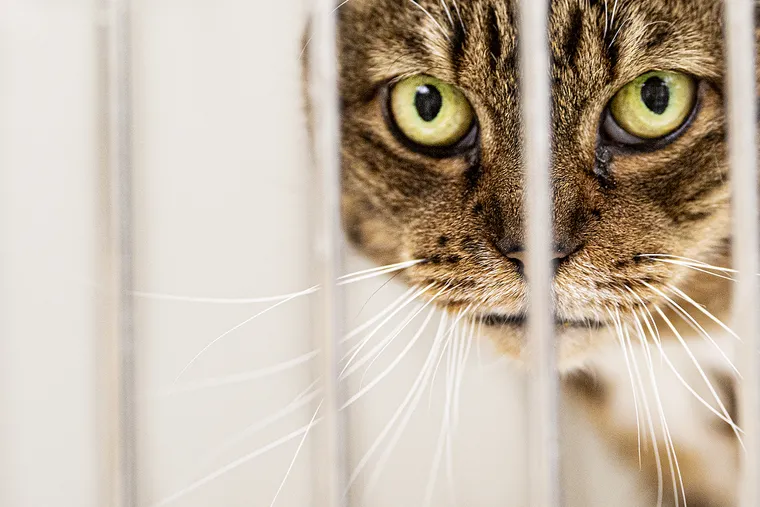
(119, 112)
(543, 385)
(742, 96)
(323, 81)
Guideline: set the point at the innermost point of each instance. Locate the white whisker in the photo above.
(443, 442)
(443, 351)
(435, 371)
(419, 389)
(223, 301)
(375, 272)
(295, 456)
(726, 417)
(440, 27)
(376, 355)
(344, 2)
(452, 365)
(435, 465)
(614, 9)
(704, 311)
(231, 330)
(465, 357)
(359, 329)
(395, 362)
(306, 45)
(343, 280)
(701, 269)
(654, 332)
(354, 351)
(235, 464)
(687, 261)
(303, 398)
(619, 330)
(241, 377)
(410, 398)
(617, 32)
(379, 348)
(653, 382)
(693, 323)
(691, 390)
(478, 351)
(448, 12)
(637, 376)
(459, 15)
(670, 448)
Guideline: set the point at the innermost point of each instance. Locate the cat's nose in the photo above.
(517, 254)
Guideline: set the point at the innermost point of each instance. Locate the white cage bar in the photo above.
(742, 137)
(535, 91)
(323, 76)
(117, 15)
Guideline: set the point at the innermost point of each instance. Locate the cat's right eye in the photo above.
(652, 107)
(429, 112)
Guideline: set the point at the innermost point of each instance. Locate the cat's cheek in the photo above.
(366, 229)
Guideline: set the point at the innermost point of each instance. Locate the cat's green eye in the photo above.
(430, 112)
(654, 104)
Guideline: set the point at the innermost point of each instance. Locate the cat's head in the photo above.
(432, 165)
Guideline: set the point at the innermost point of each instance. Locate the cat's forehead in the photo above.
(476, 41)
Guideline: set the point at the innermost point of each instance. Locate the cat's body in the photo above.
(628, 209)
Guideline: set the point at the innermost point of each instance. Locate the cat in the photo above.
(432, 174)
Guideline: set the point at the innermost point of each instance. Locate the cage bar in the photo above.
(323, 81)
(742, 115)
(543, 451)
(119, 124)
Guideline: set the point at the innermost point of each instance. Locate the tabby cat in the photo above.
(432, 171)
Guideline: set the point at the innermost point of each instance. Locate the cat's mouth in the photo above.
(519, 320)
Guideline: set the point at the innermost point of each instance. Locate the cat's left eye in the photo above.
(429, 112)
(651, 107)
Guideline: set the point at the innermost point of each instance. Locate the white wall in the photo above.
(50, 240)
(222, 199)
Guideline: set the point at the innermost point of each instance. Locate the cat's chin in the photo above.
(577, 340)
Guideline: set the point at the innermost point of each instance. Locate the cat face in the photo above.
(432, 164)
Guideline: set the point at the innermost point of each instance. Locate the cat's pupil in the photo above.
(428, 102)
(655, 94)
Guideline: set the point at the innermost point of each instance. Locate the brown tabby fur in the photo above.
(610, 204)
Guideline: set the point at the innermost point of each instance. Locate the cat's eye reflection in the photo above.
(429, 112)
(651, 107)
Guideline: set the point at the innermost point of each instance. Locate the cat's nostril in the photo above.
(514, 252)
(509, 248)
(518, 259)
(564, 250)
(517, 254)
